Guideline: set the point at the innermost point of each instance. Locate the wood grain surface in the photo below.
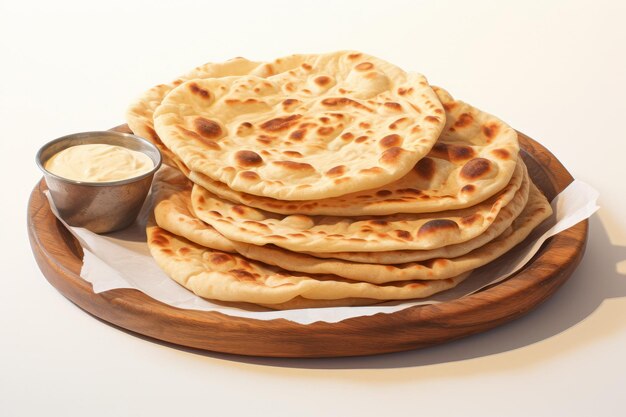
(60, 259)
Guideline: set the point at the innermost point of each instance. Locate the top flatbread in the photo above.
(473, 159)
(337, 123)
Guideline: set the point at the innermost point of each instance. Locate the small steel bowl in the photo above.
(101, 207)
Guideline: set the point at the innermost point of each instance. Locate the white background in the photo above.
(554, 70)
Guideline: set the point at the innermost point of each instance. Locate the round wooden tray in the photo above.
(60, 258)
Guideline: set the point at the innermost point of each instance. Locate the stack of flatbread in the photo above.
(328, 180)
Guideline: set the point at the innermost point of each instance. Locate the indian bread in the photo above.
(473, 159)
(172, 213)
(230, 277)
(302, 233)
(337, 123)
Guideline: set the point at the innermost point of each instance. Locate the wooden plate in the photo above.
(60, 258)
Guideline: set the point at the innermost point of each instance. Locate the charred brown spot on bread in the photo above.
(464, 120)
(354, 56)
(280, 123)
(239, 209)
(337, 171)
(343, 101)
(325, 131)
(297, 134)
(241, 275)
(361, 139)
(248, 159)
(249, 175)
(235, 102)
(395, 124)
(258, 225)
(338, 181)
(208, 143)
(207, 128)
(460, 152)
(432, 119)
(403, 234)
(290, 103)
(296, 235)
(294, 166)
(325, 120)
(244, 129)
(449, 106)
(501, 153)
(390, 141)
(475, 168)
(471, 219)
(364, 125)
(364, 66)
(184, 250)
(220, 258)
(383, 193)
(425, 168)
(372, 170)
(491, 130)
(177, 82)
(347, 136)
(307, 66)
(403, 91)
(159, 238)
(292, 154)
(392, 155)
(322, 80)
(415, 107)
(393, 106)
(197, 90)
(437, 226)
(378, 222)
(265, 139)
(438, 111)
(215, 213)
(454, 153)
(469, 188)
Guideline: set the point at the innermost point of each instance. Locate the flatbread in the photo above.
(473, 159)
(303, 233)
(140, 114)
(172, 213)
(336, 124)
(229, 277)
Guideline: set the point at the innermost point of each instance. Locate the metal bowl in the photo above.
(101, 207)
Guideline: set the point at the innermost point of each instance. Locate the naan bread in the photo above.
(303, 233)
(229, 277)
(473, 159)
(336, 124)
(172, 213)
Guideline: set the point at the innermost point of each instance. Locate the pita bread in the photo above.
(230, 277)
(172, 213)
(450, 177)
(337, 123)
(303, 233)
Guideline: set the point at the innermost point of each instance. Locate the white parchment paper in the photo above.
(122, 260)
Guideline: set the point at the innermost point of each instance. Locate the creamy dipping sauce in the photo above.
(99, 163)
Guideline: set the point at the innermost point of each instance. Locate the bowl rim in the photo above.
(95, 134)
